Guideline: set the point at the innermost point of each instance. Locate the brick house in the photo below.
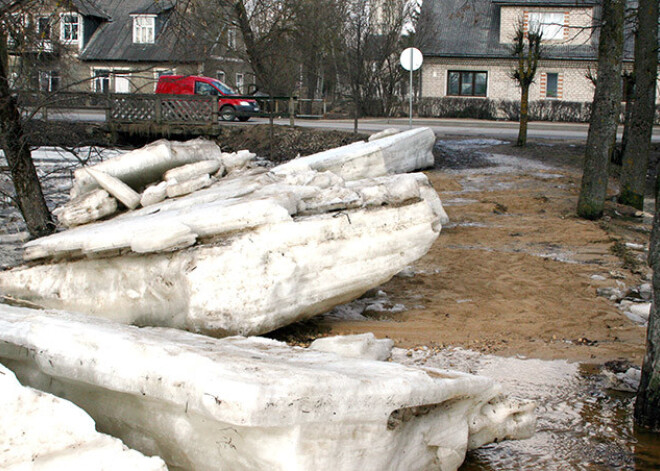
(466, 47)
(123, 46)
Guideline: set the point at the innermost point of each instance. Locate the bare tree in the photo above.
(647, 404)
(605, 112)
(267, 28)
(638, 140)
(29, 194)
(527, 51)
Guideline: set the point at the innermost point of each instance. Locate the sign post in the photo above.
(411, 59)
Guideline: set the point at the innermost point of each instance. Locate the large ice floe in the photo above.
(44, 432)
(222, 247)
(254, 404)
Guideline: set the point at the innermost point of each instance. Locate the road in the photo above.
(443, 127)
(460, 127)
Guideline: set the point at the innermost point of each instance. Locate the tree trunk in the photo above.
(636, 151)
(29, 195)
(524, 115)
(605, 112)
(251, 47)
(647, 404)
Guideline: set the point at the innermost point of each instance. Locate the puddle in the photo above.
(458, 201)
(581, 425)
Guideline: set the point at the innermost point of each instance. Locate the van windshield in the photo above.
(225, 89)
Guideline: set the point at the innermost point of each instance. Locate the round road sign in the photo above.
(411, 58)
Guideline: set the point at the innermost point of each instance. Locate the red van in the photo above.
(229, 108)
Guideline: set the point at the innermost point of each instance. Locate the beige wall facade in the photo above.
(573, 84)
(577, 25)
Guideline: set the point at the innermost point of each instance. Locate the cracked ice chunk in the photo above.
(402, 152)
(44, 432)
(188, 186)
(190, 171)
(385, 133)
(116, 188)
(270, 248)
(86, 208)
(146, 165)
(253, 403)
(154, 194)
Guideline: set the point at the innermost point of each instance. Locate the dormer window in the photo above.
(550, 25)
(70, 28)
(144, 29)
(231, 39)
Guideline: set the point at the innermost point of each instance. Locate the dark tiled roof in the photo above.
(471, 29)
(90, 8)
(155, 8)
(113, 40)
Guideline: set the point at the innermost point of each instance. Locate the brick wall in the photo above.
(574, 84)
(578, 23)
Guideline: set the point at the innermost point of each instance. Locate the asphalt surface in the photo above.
(443, 127)
(504, 130)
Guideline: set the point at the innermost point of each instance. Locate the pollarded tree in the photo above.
(605, 112)
(527, 51)
(634, 163)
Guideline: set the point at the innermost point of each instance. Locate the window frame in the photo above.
(231, 38)
(51, 77)
(545, 25)
(460, 83)
(44, 28)
(97, 79)
(66, 30)
(144, 33)
(555, 93)
(240, 81)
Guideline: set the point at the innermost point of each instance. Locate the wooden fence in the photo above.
(160, 109)
(126, 109)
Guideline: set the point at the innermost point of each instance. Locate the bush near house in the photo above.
(539, 110)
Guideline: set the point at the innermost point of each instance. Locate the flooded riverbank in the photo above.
(581, 424)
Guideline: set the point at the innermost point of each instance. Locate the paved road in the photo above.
(461, 128)
(442, 127)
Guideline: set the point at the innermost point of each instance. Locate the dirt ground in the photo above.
(511, 274)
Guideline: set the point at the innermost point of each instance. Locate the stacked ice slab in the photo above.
(41, 431)
(256, 404)
(222, 247)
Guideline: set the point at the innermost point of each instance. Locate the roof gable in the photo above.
(470, 28)
(113, 40)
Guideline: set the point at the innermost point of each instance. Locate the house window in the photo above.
(49, 80)
(43, 28)
(144, 29)
(467, 83)
(220, 75)
(550, 25)
(552, 85)
(122, 83)
(240, 81)
(70, 27)
(231, 38)
(101, 81)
